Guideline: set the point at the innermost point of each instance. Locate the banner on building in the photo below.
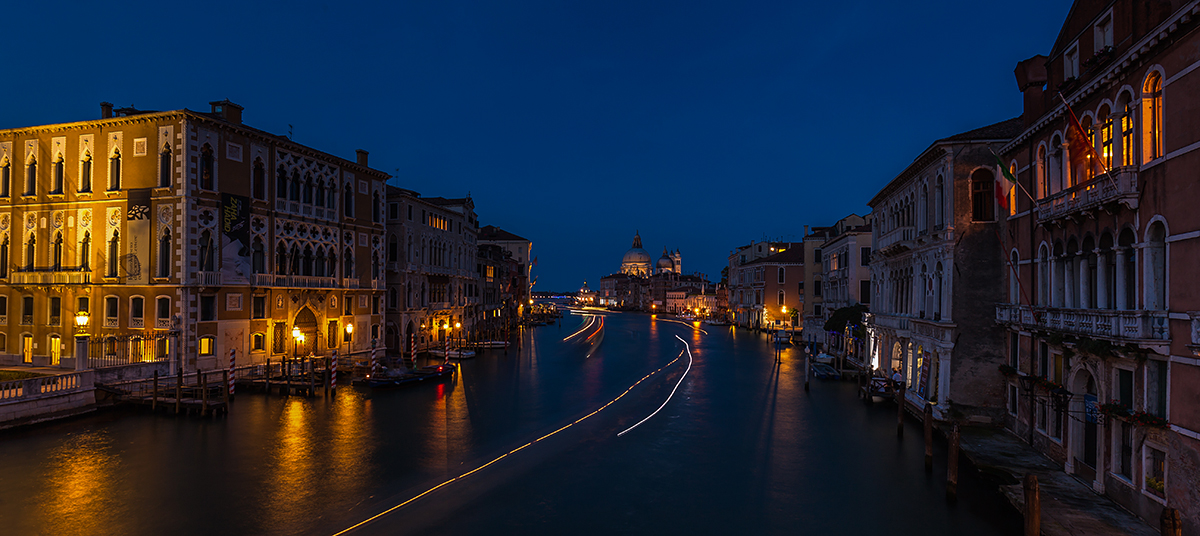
(139, 225)
(235, 253)
(923, 383)
(1091, 409)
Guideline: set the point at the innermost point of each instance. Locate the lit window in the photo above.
(207, 345)
(114, 171)
(1152, 116)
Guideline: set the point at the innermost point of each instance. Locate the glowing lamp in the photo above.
(81, 319)
(350, 328)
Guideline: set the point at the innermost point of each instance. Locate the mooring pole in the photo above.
(900, 410)
(1033, 507)
(178, 390)
(154, 393)
(928, 437)
(1169, 523)
(952, 465)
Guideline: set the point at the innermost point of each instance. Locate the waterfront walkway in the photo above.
(1069, 507)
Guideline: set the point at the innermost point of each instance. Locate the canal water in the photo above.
(739, 447)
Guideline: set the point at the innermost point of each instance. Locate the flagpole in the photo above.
(1001, 161)
(1091, 149)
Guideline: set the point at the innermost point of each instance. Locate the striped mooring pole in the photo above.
(374, 363)
(412, 354)
(446, 347)
(333, 372)
(232, 362)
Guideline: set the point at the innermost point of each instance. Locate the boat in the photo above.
(391, 379)
(822, 371)
(488, 344)
(823, 358)
(783, 337)
(457, 353)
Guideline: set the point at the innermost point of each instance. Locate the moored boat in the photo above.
(387, 381)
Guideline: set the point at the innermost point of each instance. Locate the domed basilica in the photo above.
(637, 261)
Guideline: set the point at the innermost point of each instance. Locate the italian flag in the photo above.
(1004, 184)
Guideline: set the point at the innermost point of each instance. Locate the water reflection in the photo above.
(80, 485)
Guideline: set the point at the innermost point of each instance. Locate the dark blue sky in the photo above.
(703, 124)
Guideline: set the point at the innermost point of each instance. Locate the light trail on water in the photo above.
(687, 349)
(700, 329)
(591, 321)
(511, 452)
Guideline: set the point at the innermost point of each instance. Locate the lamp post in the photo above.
(458, 328)
(298, 337)
(81, 340)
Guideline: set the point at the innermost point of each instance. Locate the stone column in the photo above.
(1055, 294)
(1069, 285)
(1102, 281)
(1085, 296)
(1121, 290)
(1118, 157)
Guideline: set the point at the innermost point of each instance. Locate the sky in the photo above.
(702, 125)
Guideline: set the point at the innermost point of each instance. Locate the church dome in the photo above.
(636, 255)
(665, 262)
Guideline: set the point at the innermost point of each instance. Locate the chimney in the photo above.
(106, 110)
(362, 157)
(1031, 80)
(805, 231)
(227, 110)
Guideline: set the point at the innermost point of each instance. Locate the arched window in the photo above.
(393, 251)
(207, 171)
(306, 266)
(164, 166)
(85, 172)
(939, 201)
(1106, 137)
(4, 258)
(85, 252)
(1044, 275)
(56, 252)
(349, 202)
(308, 189)
(31, 176)
(114, 250)
(281, 259)
(319, 268)
(1127, 131)
(164, 254)
(983, 195)
(295, 187)
(376, 209)
(1126, 265)
(1041, 167)
(5, 178)
(281, 183)
(331, 201)
(114, 171)
(320, 200)
(56, 185)
(1152, 116)
(258, 178)
(30, 251)
(207, 252)
(258, 257)
(295, 260)
(1055, 168)
(348, 263)
(1155, 280)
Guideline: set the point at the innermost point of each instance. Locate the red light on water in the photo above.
(441, 390)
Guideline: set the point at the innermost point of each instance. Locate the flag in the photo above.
(1004, 184)
(535, 261)
(1083, 152)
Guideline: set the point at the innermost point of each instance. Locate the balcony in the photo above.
(1084, 199)
(1102, 323)
(111, 323)
(49, 276)
(393, 266)
(298, 281)
(896, 240)
(883, 320)
(350, 282)
(137, 323)
(208, 279)
(162, 323)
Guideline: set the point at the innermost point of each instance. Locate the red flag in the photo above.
(1083, 151)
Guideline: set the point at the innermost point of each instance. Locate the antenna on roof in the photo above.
(289, 131)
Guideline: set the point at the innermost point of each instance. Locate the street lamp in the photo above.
(298, 337)
(81, 320)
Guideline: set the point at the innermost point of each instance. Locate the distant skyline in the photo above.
(703, 125)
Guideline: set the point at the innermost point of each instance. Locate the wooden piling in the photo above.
(807, 370)
(203, 393)
(1033, 507)
(952, 465)
(900, 410)
(928, 437)
(326, 382)
(225, 381)
(179, 391)
(1169, 523)
(268, 376)
(154, 393)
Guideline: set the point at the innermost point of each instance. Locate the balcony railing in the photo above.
(1105, 323)
(1097, 192)
(299, 281)
(111, 323)
(26, 320)
(50, 277)
(897, 237)
(350, 282)
(885, 320)
(137, 323)
(208, 279)
(162, 323)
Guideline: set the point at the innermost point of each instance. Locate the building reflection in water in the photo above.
(79, 496)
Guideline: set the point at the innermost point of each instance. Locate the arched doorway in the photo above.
(1085, 429)
(897, 356)
(306, 322)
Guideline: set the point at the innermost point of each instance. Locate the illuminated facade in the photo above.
(747, 299)
(433, 277)
(520, 251)
(1103, 310)
(936, 274)
(184, 222)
